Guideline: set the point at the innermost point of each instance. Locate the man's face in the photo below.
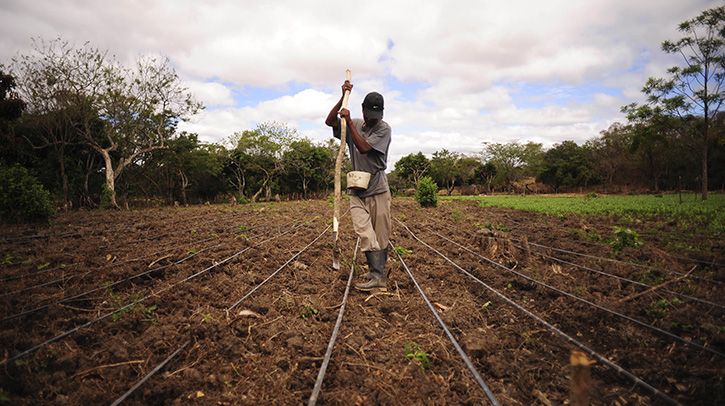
(369, 122)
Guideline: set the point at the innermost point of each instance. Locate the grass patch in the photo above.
(710, 213)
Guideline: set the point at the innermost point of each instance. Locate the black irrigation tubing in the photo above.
(115, 264)
(600, 307)
(44, 284)
(235, 304)
(107, 286)
(106, 266)
(37, 272)
(176, 352)
(613, 260)
(621, 278)
(158, 368)
(135, 302)
(328, 353)
(637, 381)
(477, 377)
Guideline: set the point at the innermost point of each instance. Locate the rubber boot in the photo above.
(369, 274)
(378, 276)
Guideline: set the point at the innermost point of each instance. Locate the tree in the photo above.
(306, 165)
(256, 159)
(514, 161)
(695, 89)
(122, 114)
(567, 165)
(485, 172)
(412, 167)
(444, 169)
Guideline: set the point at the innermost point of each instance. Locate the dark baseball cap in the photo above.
(373, 105)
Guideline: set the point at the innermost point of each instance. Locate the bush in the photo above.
(105, 197)
(22, 197)
(427, 193)
(624, 237)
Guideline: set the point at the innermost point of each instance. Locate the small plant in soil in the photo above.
(8, 260)
(414, 353)
(457, 216)
(243, 228)
(402, 250)
(308, 311)
(660, 308)
(624, 237)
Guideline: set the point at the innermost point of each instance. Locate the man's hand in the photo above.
(346, 86)
(345, 113)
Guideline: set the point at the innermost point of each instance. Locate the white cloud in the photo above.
(468, 59)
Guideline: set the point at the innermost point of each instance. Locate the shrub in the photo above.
(22, 197)
(624, 237)
(105, 197)
(427, 192)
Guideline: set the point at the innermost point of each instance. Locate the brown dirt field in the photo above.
(273, 351)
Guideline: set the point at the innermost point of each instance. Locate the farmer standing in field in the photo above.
(368, 141)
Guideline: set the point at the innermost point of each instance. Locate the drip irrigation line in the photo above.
(135, 302)
(158, 368)
(612, 260)
(235, 304)
(138, 275)
(116, 264)
(600, 307)
(621, 278)
(44, 284)
(34, 273)
(637, 381)
(477, 377)
(328, 353)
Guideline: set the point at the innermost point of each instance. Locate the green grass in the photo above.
(710, 213)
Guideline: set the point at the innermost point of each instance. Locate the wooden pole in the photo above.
(338, 169)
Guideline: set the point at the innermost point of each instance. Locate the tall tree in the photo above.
(695, 89)
(444, 169)
(567, 165)
(412, 167)
(514, 161)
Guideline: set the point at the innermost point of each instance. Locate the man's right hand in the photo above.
(347, 86)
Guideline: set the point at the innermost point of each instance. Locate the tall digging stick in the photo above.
(338, 169)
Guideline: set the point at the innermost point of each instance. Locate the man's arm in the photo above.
(331, 120)
(360, 143)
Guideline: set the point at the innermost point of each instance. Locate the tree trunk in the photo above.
(63, 176)
(704, 168)
(110, 179)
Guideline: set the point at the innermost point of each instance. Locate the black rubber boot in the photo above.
(369, 274)
(378, 276)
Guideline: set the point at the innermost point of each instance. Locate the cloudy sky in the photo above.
(455, 74)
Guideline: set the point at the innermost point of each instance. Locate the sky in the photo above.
(454, 74)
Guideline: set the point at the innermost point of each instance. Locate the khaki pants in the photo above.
(371, 220)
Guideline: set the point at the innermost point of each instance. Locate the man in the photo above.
(368, 141)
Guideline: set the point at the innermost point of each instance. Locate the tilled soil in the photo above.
(241, 335)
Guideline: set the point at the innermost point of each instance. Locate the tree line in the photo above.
(97, 132)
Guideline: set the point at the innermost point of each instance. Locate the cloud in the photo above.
(472, 62)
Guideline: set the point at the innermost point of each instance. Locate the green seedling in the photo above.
(8, 260)
(42, 266)
(193, 251)
(147, 311)
(457, 216)
(308, 311)
(243, 228)
(660, 308)
(624, 237)
(402, 250)
(413, 352)
(207, 317)
(486, 305)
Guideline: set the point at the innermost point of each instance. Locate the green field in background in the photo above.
(710, 213)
